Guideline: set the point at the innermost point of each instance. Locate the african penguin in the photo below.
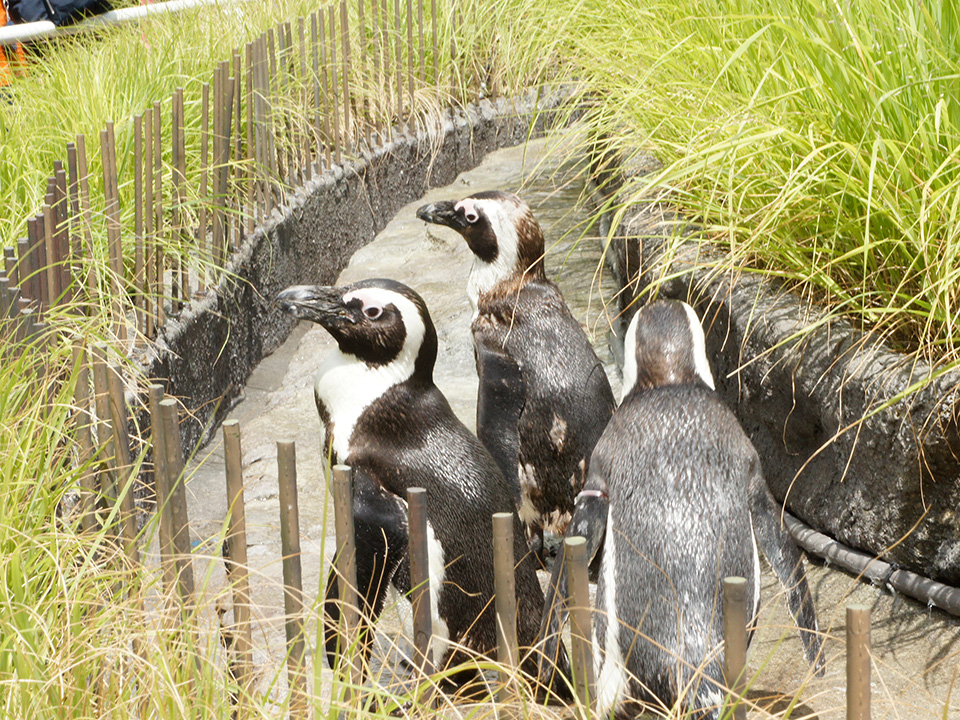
(674, 502)
(383, 416)
(544, 397)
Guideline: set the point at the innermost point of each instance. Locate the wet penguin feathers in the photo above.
(674, 502)
(384, 417)
(544, 397)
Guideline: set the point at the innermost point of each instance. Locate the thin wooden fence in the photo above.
(278, 111)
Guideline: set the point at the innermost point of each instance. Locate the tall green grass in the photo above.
(818, 140)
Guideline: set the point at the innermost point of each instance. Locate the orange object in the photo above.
(9, 59)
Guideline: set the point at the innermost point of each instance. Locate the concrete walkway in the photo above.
(916, 652)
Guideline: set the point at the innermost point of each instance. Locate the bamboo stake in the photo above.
(398, 64)
(252, 169)
(176, 497)
(62, 229)
(73, 191)
(317, 130)
(105, 436)
(84, 176)
(81, 395)
(735, 641)
(333, 82)
(38, 261)
(271, 87)
(162, 483)
(109, 156)
(580, 633)
(410, 46)
(150, 238)
(436, 56)
(236, 203)
(160, 281)
(204, 185)
(184, 243)
(506, 602)
(292, 576)
(346, 568)
(423, 60)
(378, 80)
(50, 244)
(138, 219)
(858, 662)
(420, 581)
(10, 264)
(306, 167)
(236, 551)
(327, 140)
(348, 142)
(364, 120)
(125, 477)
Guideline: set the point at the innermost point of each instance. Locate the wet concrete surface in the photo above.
(916, 672)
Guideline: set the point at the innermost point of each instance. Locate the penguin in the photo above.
(675, 501)
(544, 397)
(383, 416)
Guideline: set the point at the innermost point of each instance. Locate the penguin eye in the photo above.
(373, 311)
(471, 215)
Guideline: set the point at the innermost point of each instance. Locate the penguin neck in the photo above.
(490, 280)
(346, 387)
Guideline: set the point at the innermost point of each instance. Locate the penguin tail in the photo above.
(787, 562)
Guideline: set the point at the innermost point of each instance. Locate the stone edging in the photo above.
(890, 485)
(205, 356)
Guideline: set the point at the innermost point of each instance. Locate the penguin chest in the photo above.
(346, 388)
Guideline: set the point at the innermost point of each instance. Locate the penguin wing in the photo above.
(500, 401)
(589, 521)
(787, 562)
(380, 526)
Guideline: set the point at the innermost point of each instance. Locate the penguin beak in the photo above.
(322, 305)
(442, 213)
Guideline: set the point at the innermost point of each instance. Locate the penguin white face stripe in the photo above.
(699, 347)
(347, 386)
(503, 219)
(630, 357)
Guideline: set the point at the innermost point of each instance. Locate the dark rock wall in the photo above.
(889, 485)
(205, 356)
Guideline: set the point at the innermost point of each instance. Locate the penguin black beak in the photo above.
(442, 213)
(322, 305)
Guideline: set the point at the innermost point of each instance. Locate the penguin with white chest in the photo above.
(544, 397)
(675, 501)
(383, 416)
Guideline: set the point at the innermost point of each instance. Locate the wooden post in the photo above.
(436, 56)
(333, 82)
(62, 231)
(252, 169)
(105, 437)
(125, 478)
(346, 565)
(292, 576)
(138, 301)
(175, 494)
(52, 266)
(858, 662)
(84, 177)
(159, 280)
(161, 480)
(398, 64)
(420, 580)
(204, 184)
(410, 54)
(735, 641)
(37, 262)
(81, 395)
(150, 240)
(580, 621)
(345, 74)
(73, 191)
(236, 551)
(108, 152)
(506, 593)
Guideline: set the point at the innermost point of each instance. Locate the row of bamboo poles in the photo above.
(283, 108)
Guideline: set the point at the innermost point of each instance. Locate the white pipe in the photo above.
(25, 32)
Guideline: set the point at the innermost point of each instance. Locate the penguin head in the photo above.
(500, 230)
(379, 322)
(665, 345)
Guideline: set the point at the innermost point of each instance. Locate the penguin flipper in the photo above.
(787, 562)
(380, 526)
(589, 521)
(500, 401)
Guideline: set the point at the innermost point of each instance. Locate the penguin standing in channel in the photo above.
(384, 417)
(675, 501)
(544, 397)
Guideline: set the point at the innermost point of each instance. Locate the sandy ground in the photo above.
(916, 652)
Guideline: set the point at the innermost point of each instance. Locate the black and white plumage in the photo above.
(544, 398)
(675, 501)
(384, 417)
